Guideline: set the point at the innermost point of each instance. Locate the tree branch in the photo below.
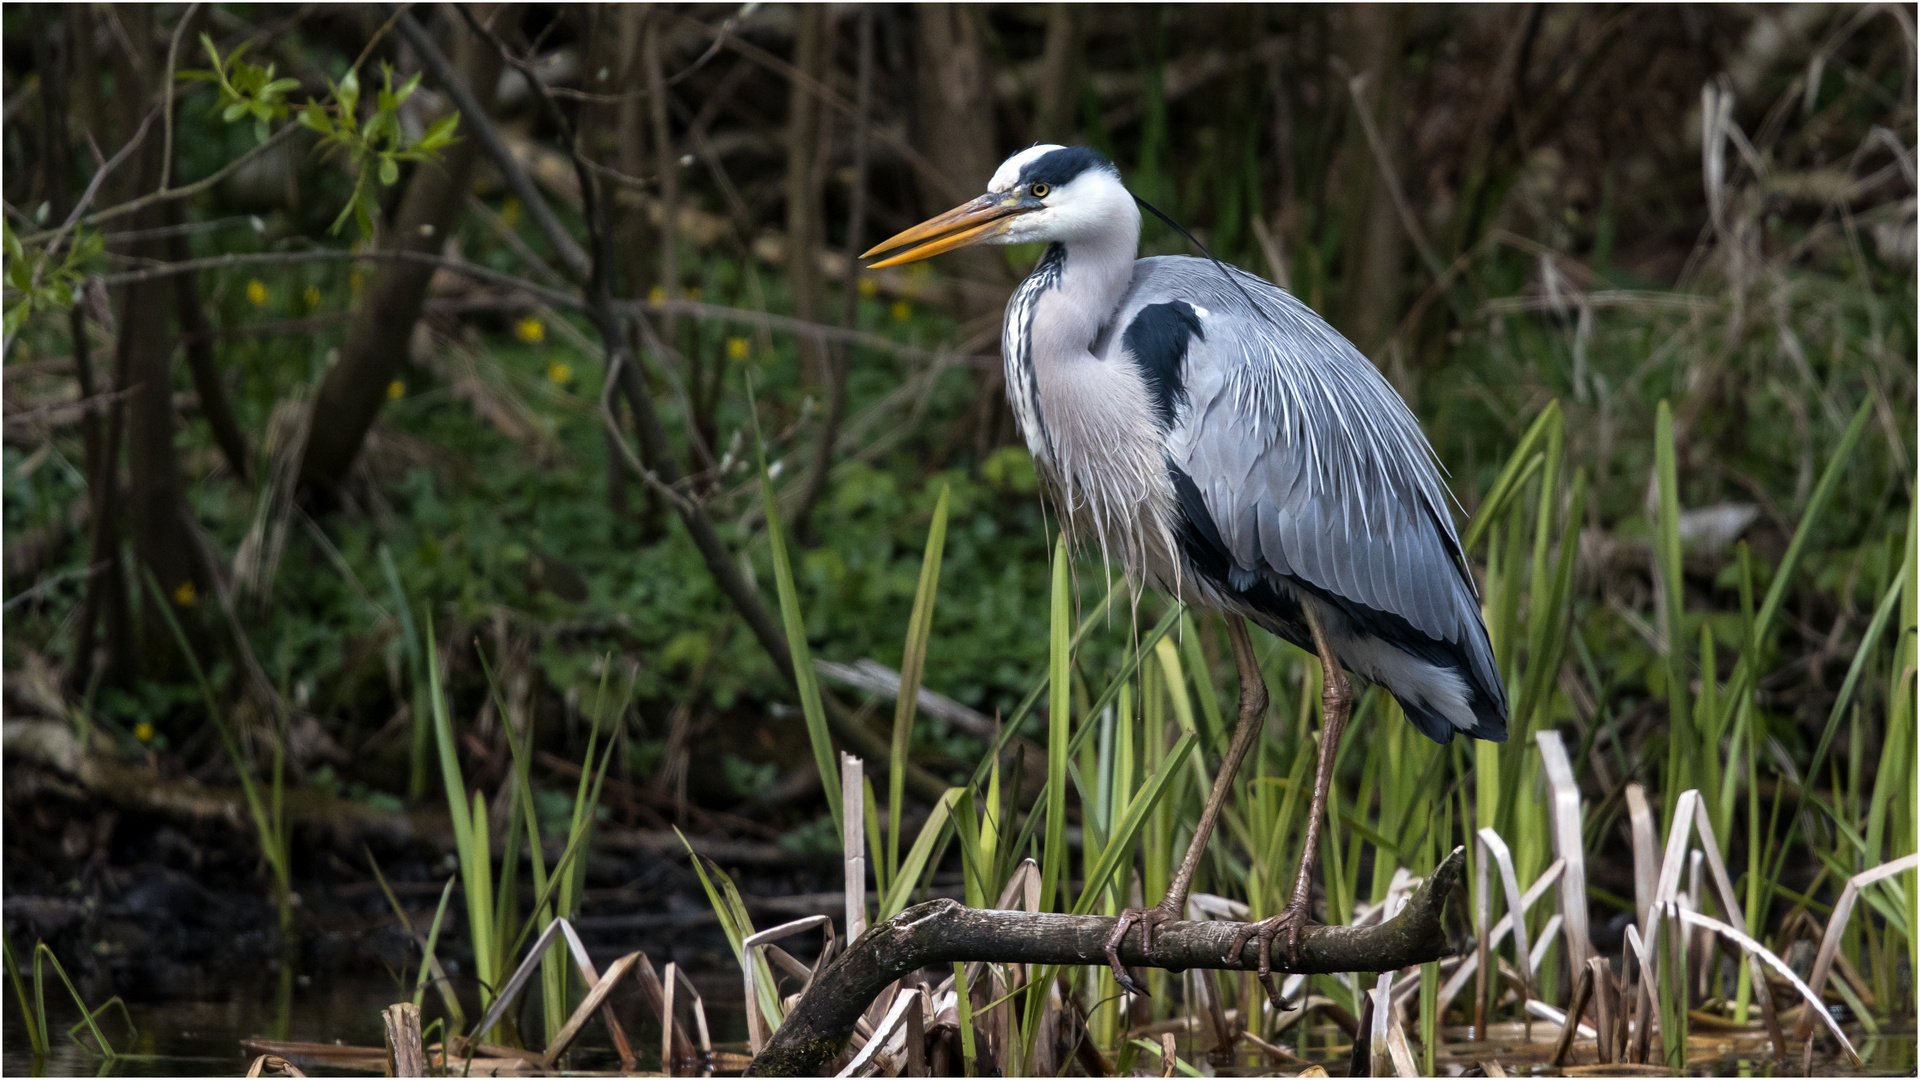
(623, 367)
(436, 61)
(944, 931)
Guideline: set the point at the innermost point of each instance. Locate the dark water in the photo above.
(202, 1038)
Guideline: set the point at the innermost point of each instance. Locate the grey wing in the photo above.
(1315, 472)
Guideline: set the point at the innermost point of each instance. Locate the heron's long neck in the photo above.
(1052, 321)
(1092, 282)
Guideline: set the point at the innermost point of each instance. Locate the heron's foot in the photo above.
(1149, 920)
(1286, 925)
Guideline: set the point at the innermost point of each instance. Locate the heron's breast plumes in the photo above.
(1096, 440)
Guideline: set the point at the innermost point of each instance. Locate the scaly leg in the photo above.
(1172, 907)
(1335, 704)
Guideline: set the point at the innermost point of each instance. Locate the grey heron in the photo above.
(1235, 451)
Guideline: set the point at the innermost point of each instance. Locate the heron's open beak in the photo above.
(970, 223)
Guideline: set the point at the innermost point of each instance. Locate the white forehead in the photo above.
(1009, 170)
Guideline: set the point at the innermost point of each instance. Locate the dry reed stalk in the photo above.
(1582, 992)
(1565, 815)
(1606, 1007)
(853, 844)
(596, 997)
(756, 1024)
(1837, 924)
(405, 1055)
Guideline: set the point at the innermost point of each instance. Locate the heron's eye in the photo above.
(1040, 191)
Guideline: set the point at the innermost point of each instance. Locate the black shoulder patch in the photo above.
(1158, 338)
(1057, 167)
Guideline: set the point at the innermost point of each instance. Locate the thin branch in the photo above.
(173, 57)
(898, 142)
(543, 217)
(93, 186)
(281, 258)
(195, 188)
(623, 368)
(818, 331)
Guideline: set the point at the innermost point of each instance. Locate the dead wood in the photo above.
(945, 931)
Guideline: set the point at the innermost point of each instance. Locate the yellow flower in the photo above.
(312, 297)
(143, 731)
(657, 295)
(902, 311)
(185, 595)
(257, 292)
(737, 348)
(396, 390)
(868, 287)
(560, 373)
(510, 211)
(530, 330)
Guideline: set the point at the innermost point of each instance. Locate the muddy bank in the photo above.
(148, 882)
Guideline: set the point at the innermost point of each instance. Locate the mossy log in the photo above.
(943, 931)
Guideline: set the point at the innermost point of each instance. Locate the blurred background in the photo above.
(261, 518)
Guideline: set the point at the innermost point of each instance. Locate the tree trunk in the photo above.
(837, 357)
(1376, 245)
(944, 932)
(956, 120)
(146, 343)
(804, 128)
(197, 336)
(631, 122)
(1059, 90)
(353, 390)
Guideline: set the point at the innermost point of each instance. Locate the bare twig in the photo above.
(623, 370)
(283, 258)
(93, 188)
(516, 177)
(173, 57)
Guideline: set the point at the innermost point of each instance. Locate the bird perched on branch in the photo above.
(1231, 449)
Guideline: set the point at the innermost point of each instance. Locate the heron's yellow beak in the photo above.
(970, 223)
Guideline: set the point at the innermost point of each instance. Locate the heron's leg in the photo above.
(1335, 703)
(1172, 907)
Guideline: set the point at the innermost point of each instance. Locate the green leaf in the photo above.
(315, 117)
(439, 133)
(389, 171)
(348, 92)
(1120, 847)
(234, 111)
(796, 632)
(913, 663)
(1053, 852)
(915, 863)
(1513, 477)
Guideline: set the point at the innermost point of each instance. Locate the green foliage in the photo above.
(375, 147)
(246, 90)
(36, 281)
(33, 1009)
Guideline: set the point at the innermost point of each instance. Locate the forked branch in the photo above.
(944, 931)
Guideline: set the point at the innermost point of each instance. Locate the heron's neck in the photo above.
(1093, 280)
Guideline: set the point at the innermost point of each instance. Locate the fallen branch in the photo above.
(945, 931)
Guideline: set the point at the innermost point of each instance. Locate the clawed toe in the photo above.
(1149, 920)
(1288, 923)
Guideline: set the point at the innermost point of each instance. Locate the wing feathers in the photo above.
(1310, 466)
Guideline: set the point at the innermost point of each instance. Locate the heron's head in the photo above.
(1043, 193)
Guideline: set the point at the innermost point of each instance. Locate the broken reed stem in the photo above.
(944, 931)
